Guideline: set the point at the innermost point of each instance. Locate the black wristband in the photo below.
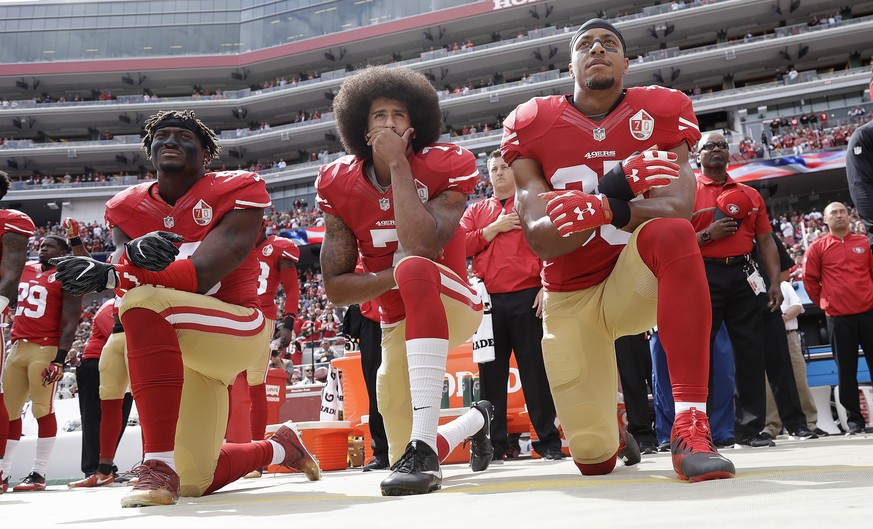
(117, 328)
(75, 241)
(621, 213)
(288, 322)
(614, 184)
(61, 357)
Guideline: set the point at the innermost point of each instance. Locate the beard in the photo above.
(601, 83)
(171, 167)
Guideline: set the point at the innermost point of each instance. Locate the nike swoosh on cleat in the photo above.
(104, 481)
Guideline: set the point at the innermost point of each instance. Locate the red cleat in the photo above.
(296, 454)
(158, 484)
(695, 457)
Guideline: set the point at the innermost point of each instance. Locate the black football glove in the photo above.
(153, 251)
(83, 275)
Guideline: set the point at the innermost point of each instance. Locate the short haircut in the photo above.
(60, 240)
(495, 154)
(351, 106)
(4, 184)
(190, 122)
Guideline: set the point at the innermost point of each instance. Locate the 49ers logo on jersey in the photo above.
(268, 250)
(202, 213)
(422, 191)
(642, 125)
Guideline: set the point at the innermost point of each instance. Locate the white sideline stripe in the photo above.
(461, 288)
(216, 321)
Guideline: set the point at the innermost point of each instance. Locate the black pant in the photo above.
(371, 359)
(780, 372)
(847, 333)
(88, 382)
(734, 302)
(517, 328)
(635, 370)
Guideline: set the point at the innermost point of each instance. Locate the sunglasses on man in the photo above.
(710, 145)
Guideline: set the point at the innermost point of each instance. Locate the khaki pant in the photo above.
(580, 329)
(114, 379)
(392, 379)
(807, 403)
(218, 340)
(22, 378)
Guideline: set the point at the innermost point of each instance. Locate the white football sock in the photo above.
(6, 465)
(679, 407)
(427, 370)
(278, 453)
(461, 428)
(44, 447)
(167, 457)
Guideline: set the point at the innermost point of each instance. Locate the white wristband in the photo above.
(4, 302)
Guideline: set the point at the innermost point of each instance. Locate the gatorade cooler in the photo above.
(328, 441)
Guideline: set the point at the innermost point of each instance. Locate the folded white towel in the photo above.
(483, 339)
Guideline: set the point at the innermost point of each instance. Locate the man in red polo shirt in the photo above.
(729, 217)
(510, 270)
(838, 276)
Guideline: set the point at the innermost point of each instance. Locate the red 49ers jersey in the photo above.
(40, 300)
(269, 252)
(101, 328)
(344, 191)
(575, 151)
(14, 221)
(140, 209)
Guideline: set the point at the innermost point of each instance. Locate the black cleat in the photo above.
(416, 472)
(481, 450)
(553, 454)
(628, 449)
(379, 462)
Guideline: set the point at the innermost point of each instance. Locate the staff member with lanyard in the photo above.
(728, 217)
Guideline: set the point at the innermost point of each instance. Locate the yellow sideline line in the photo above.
(514, 486)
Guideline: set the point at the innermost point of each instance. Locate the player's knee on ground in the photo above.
(597, 440)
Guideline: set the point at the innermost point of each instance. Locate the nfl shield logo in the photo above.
(422, 191)
(599, 134)
(642, 125)
(857, 150)
(384, 204)
(202, 213)
(169, 222)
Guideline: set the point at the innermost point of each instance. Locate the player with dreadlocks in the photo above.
(190, 311)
